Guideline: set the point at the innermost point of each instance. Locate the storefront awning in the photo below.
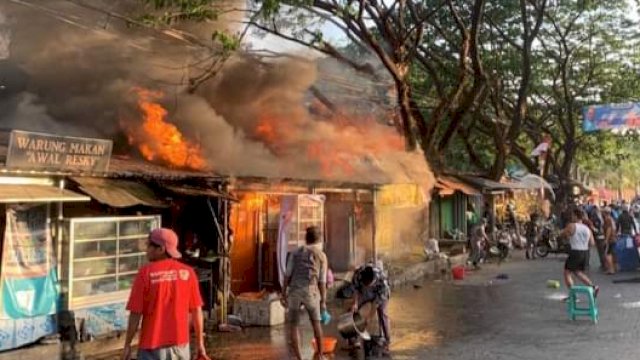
(448, 186)
(29, 193)
(118, 193)
(189, 190)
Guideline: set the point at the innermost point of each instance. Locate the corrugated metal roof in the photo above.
(27, 193)
(190, 190)
(448, 185)
(127, 166)
(119, 193)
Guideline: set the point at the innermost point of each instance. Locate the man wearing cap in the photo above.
(163, 295)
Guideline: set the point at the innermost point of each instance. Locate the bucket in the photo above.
(458, 273)
(328, 345)
(351, 325)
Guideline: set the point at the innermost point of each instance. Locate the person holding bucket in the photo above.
(370, 285)
(305, 284)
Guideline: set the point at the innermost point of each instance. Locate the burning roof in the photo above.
(252, 119)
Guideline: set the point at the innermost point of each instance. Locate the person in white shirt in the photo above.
(580, 238)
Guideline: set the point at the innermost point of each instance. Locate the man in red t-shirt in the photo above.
(163, 295)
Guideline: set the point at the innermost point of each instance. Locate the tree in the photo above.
(474, 81)
(581, 50)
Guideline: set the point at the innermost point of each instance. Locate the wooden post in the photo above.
(373, 227)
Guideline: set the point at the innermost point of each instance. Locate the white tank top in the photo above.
(580, 238)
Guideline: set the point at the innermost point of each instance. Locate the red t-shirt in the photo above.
(164, 292)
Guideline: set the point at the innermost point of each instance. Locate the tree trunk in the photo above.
(500, 159)
(406, 116)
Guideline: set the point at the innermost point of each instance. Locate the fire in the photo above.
(331, 161)
(160, 141)
(336, 141)
(266, 131)
(254, 201)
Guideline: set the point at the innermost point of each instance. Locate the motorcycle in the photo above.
(550, 242)
(501, 246)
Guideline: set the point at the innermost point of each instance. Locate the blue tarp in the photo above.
(626, 254)
(611, 117)
(19, 332)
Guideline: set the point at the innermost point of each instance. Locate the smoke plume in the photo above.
(71, 72)
(5, 37)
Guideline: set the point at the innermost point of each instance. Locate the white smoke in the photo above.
(5, 37)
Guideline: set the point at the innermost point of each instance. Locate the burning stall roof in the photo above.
(250, 120)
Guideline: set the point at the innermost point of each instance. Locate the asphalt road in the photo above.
(480, 317)
(483, 317)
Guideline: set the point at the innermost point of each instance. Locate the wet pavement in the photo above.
(483, 317)
(480, 317)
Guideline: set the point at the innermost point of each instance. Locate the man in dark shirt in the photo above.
(609, 229)
(371, 286)
(626, 223)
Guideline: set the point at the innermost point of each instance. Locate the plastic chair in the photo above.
(592, 307)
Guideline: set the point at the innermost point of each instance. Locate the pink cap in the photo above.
(166, 238)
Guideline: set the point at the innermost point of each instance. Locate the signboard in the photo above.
(611, 117)
(28, 150)
(28, 277)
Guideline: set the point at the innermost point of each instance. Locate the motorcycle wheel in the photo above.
(542, 250)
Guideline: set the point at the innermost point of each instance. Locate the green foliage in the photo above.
(586, 53)
(173, 11)
(229, 42)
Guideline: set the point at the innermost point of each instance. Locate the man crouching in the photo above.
(304, 284)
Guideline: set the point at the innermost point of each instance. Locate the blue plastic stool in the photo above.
(592, 307)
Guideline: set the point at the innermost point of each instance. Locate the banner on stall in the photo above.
(28, 276)
(618, 117)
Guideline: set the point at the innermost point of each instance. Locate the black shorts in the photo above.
(577, 260)
(610, 250)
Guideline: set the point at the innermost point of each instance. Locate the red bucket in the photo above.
(458, 273)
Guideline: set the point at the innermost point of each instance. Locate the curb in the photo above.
(411, 273)
(420, 270)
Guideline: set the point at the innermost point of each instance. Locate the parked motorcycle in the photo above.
(550, 242)
(501, 246)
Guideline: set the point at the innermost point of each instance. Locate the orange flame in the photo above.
(352, 138)
(331, 160)
(254, 201)
(159, 140)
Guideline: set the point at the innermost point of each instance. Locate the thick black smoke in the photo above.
(70, 70)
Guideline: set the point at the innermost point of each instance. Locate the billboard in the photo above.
(611, 117)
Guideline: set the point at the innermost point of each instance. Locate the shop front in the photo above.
(29, 270)
(267, 222)
(75, 234)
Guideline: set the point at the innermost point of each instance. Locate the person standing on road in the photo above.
(580, 238)
(532, 230)
(626, 223)
(609, 230)
(601, 245)
(584, 218)
(305, 284)
(164, 293)
(479, 240)
(371, 286)
(472, 220)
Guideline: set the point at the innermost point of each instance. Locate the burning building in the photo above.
(239, 167)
